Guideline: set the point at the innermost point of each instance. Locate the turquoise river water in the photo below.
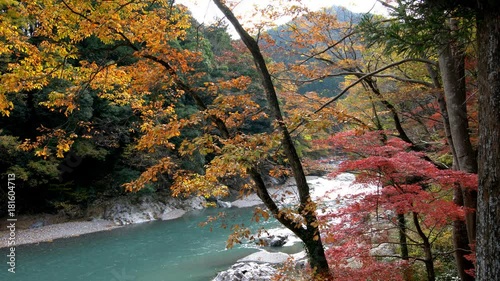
(176, 250)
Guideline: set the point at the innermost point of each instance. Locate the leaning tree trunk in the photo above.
(488, 229)
(310, 235)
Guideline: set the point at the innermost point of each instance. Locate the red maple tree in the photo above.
(379, 235)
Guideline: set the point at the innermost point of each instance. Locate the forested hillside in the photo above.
(69, 150)
(106, 98)
(286, 50)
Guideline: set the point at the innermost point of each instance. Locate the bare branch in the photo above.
(362, 78)
(408, 80)
(329, 47)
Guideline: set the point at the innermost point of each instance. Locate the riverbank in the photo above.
(102, 216)
(118, 212)
(33, 229)
(179, 249)
(60, 229)
(51, 232)
(157, 251)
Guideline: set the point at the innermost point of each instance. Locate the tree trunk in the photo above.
(452, 67)
(397, 122)
(426, 245)
(310, 236)
(403, 244)
(442, 108)
(376, 118)
(460, 237)
(461, 242)
(314, 246)
(451, 64)
(488, 235)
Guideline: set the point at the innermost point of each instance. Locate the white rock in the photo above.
(249, 201)
(223, 204)
(247, 272)
(383, 249)
(130, 210)
(194, 203)
(266, 257)
(300, 255)
(291, 237)
(172, 214)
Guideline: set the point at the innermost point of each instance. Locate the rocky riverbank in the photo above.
(104, 215)
(260, 266)
(130, 209)
(100, 216)
(109, 214)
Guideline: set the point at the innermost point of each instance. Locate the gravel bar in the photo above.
(55, 231)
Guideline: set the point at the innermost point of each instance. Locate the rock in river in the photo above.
(266, 257)
(250, 271)
(223, 204)
(273, 240)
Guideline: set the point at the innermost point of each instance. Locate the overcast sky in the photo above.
(205, 10)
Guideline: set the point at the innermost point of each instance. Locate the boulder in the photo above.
(266, 257)
(276, 237)
(247, 272)
(300, 260)
(383, 249)
(273, 240)
(247, 201)
(223, 204)
(170, 214)
(192, 203)
(37, 224)
(132, 209)
(278, 241)
(71, 211)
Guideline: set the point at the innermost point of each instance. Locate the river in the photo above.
(156, 251)
(176, 250)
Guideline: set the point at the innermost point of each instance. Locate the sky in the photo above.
(205, 10)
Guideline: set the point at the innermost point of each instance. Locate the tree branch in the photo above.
(362, 78)
(329, 47)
